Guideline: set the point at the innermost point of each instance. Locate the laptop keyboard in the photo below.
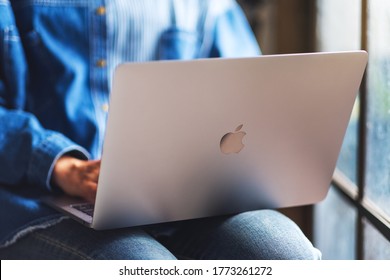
(86, 208)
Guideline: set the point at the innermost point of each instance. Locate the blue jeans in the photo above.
(263, 234)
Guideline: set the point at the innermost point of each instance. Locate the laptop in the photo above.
(201, 138)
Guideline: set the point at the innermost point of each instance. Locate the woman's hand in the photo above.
(77, 177)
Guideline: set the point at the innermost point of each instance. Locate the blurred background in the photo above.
(353, 222)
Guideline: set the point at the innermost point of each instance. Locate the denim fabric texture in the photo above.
(57, 58)
(260, 235)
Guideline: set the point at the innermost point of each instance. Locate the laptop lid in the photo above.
(191, 139)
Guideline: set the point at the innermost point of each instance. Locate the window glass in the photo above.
(338, 25)
(333, 236)
(376, 246)
(378, 79)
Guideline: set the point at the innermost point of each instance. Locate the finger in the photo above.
(91, 176)
(89, 171)
(88, 191)
(93, 164)
(93, 168)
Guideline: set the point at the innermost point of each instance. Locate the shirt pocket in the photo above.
(38, 55)
(43, 71)
(175, 43)
(14, 68)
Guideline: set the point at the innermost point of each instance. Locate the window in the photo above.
(354, 220)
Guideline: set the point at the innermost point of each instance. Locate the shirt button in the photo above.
(101, 63)
(101, 10)
(105, 107)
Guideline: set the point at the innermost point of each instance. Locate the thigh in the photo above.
(70, 240)
(263, 234)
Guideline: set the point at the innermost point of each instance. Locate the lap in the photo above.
(261, 234)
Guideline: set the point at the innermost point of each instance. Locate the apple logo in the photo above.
(232, 142)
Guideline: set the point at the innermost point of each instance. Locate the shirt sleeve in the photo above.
(27, 150)
(232, 34)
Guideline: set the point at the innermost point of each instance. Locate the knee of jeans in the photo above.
(274, 235)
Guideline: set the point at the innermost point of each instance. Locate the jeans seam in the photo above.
(62, 246)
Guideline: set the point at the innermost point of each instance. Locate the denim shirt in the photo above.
(56, 63)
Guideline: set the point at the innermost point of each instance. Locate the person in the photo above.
(57, 59)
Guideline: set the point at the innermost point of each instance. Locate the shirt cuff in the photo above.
(46, 153)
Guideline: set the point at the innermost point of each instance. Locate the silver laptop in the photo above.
(192, 139)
